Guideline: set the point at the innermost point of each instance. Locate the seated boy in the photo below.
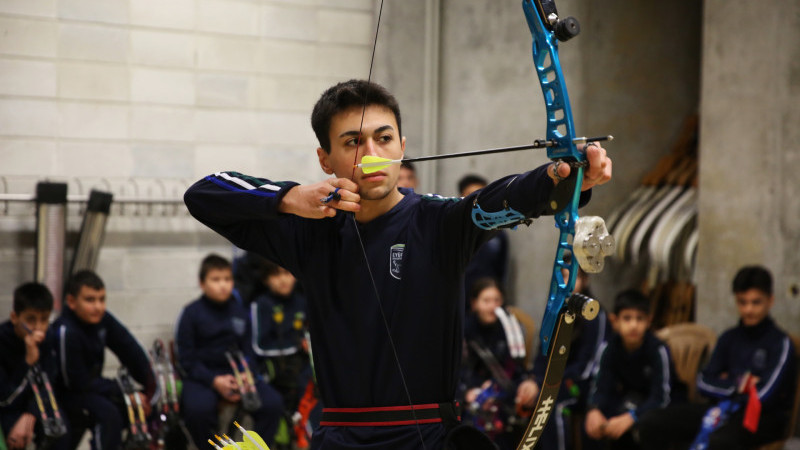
(22, 340)
(207, 329)
(635, 376)
(754, 347)
(279, 325)
(82, 333)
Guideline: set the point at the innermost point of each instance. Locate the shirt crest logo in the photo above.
(396, 260)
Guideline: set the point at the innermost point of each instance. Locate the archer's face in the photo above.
(380, 138)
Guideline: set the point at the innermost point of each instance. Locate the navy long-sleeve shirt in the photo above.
(205, 331)
(417, 253)
(15, 391)
(763, 350)
(636, 381)
(81, 355)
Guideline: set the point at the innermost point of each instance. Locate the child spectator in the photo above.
(207, 329)
(22, 339)
(279, 325)
(408, 175)
(754, 347)
(492, 368)
(83, 332)
(635, 376)
(588, 339)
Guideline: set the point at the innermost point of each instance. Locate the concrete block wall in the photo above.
(141, 97)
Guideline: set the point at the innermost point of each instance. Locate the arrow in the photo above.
(371, 164)
(252, 437)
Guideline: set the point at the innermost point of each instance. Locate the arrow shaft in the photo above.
(536, 144)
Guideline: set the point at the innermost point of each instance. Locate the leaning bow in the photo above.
(586, 238)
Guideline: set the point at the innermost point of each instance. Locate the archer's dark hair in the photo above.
(631, 299)
(467, 180)
(32, 296)
(753, 277)
(213, 262)
(484, 283)
(84, 278)
(344, 96)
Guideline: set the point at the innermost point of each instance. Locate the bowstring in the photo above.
(361, 241)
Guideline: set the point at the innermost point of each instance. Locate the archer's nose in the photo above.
(368, 147)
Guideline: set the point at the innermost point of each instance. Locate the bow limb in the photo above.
(591, 242)
(543, 22)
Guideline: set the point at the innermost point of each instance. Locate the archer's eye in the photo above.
(386, 138)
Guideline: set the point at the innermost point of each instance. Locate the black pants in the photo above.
(677, 425)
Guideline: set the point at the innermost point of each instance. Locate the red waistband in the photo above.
(385, 415)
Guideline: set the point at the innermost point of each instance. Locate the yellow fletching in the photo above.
(371, 164)
(252, 441)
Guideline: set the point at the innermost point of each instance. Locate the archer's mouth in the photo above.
(374, 177)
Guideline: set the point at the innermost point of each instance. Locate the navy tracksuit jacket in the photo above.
(90, 400)
(417, 253)
(763, 350)
(205, 331)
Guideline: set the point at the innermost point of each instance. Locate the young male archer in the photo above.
(382, 267)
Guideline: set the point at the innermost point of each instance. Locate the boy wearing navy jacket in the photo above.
(279, 324)
(382, 267)
(635, 376)
(207, 329)
(23, 344)
(82, 333)
(755, 347)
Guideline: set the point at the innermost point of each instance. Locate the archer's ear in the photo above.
(403, 144)
(323, 160)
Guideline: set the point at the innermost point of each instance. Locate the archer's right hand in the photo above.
(307, 200)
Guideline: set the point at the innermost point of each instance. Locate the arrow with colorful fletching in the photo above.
(371, 164)
(250, 441)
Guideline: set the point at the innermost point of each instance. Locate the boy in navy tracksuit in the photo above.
(82, 333)
(755, 346)
(23, 344)
(208, 328)
(279, 322)
(635, 376)
(416, 248)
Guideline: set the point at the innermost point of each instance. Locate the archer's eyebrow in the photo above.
(377, 131)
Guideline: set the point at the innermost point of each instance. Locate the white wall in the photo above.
(142, 97)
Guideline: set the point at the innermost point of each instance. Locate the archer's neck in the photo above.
(372, 209)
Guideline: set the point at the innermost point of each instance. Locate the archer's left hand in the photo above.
(598, 172)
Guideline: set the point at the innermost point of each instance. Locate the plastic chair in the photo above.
(690, 345)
